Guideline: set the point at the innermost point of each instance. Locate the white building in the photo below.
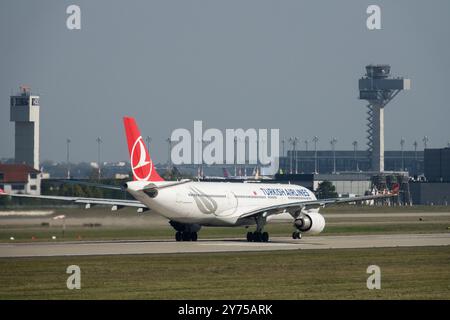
(20, 178)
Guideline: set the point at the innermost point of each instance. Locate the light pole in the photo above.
(169, 147)
(296, 155)
(402, 143)
(149, 140)
(200, 159)
(202, 144)
(415, 144)
(333, 144)
(235, 156)
(425, 142)
(290, 158)
(68, 141)
(306, 149)
(355, 149)
(315, 140)
(294, 140)
(99, 141)
(263, 141)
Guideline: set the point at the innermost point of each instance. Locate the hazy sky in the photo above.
(292, 65)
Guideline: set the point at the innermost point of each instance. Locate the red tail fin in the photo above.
(141, 163)
(395, 188)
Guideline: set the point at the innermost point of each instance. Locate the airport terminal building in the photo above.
(436, 189)
(327, 161)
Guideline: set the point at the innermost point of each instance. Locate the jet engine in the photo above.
(311, 222)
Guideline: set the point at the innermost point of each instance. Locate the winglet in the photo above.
(141, 163)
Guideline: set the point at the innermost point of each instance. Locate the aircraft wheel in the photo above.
(257, 236)
(178, 236)
(194, 236)
(296, 235)
(265, 237)
(186, 236)
(249, 236)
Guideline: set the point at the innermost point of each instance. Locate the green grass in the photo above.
(406, 273)
(144, 227)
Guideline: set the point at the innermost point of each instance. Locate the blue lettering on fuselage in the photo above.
(286, 192)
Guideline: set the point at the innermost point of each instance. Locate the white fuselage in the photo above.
(218, 203)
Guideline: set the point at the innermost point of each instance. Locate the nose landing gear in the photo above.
(296, 235)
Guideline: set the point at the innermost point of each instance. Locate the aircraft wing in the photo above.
(280, 208)
(118, 203)
(92, 184)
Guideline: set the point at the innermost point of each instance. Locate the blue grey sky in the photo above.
(292, 65)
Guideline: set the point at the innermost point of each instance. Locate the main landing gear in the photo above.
(258, 235)
(186, 236)
(185, 232)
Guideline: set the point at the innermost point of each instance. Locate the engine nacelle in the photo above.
(312, 222)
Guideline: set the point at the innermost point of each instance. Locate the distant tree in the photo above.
(65, 190)
(326, 190)
(175, 174)
(5, 200)
(87, 191)
(97, 192)
(78, 191)
(93, 176)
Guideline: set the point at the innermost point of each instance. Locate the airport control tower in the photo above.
(24, 111)
(378, 89)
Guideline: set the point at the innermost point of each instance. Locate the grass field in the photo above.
(406, 273)
(126, 224)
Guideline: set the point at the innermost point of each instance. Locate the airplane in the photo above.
(190, 205)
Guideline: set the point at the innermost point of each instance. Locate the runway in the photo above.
(82, 248)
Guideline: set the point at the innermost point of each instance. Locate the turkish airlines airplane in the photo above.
(189, 205)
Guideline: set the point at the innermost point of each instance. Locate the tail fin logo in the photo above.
(141, 164)
(395, 188)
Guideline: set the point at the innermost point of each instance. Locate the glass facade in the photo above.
(350, 161)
